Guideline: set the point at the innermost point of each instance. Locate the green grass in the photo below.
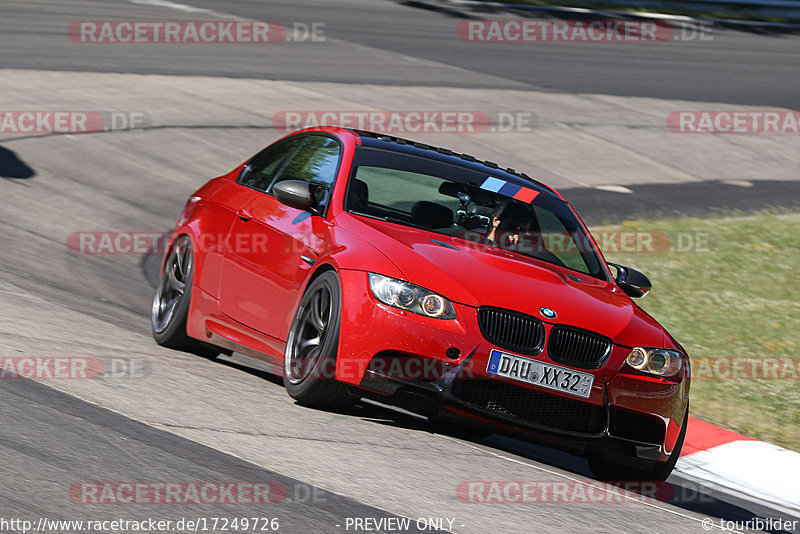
(740, 298)
(633, 7)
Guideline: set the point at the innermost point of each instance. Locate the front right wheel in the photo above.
(310, 357)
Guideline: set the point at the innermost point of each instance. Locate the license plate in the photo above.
(540, 374)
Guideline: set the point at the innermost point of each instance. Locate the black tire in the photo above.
(310, 357)
(168, 316)
(657, 471)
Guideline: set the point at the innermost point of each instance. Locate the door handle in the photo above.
(244, 214)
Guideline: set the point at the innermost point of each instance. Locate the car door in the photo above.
(272, 246)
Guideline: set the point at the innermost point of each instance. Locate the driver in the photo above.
(508, 221)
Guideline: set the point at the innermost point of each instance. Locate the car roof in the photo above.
(445, 155)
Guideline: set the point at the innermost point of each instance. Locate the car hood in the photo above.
(474, 275)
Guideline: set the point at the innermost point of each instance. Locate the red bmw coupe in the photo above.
(366, 265)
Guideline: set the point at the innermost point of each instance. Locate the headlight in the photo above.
(411, 298)
(655, 361)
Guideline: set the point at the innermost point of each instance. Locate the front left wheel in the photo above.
(310, 357)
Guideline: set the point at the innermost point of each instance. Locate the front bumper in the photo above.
(438, 368)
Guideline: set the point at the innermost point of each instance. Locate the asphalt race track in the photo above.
(161, 416)
(403, 42)
(106, 446)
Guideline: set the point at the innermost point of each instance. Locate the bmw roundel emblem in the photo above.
(548, 313)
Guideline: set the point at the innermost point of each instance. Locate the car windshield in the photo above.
(467, 204)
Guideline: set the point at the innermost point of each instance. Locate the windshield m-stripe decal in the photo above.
(518, 192)
(493, 184)
(526, 195)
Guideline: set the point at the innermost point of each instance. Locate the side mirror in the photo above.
(631, 281)
(299, 194)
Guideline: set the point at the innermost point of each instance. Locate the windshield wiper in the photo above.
(396, 220)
